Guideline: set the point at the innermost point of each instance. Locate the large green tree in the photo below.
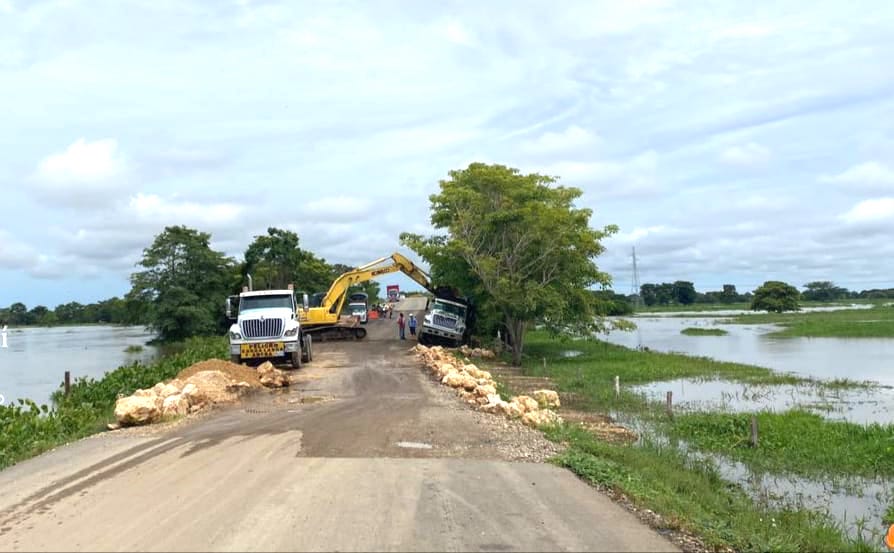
(275, 260)
(185, 281)
(775, 296)
(521, 243)
(684, 292)
(823, 290)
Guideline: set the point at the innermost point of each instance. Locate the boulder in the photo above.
(272, 377)
(468, 382)
(454, 379)
(512, 409)
(175, 406)
(135, 410)
(164, 391)
(526, 403)
(190, 392)
(212, 387)
(539, 418)
(547, 399)
(485, 390)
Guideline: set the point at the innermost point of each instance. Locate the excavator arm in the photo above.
(334, 300)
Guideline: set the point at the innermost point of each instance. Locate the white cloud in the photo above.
(871, 175)
(870, 211)
(745, 155)
(86, 174)
(457, 33)
(744, 30)
(154, 208)
(574, 139)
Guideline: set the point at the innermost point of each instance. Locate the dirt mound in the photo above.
(239, 373)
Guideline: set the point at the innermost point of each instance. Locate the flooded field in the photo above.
(34, 363)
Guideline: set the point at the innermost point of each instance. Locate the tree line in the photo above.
(684, 293)
(181, 284)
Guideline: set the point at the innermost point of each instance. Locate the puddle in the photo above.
(861, 405)
(857, 503)
(414, 445)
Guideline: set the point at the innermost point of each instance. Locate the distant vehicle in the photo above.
(358, 310)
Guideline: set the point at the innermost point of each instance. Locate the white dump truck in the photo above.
(444, 322)
(266, 327)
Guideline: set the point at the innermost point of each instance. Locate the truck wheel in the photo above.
(359, 333)
(310, 348)
(296, 359)
(235, 359)
(305, 350)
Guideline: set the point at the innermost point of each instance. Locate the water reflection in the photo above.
(33, 364)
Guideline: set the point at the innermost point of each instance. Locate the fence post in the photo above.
(617, 386)
(753, 431)
(67, 383)
(670, 403)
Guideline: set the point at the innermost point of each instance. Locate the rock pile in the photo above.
(177, 397)
(201, 385)
(478, 389)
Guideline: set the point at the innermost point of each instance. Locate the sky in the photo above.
(730, 142)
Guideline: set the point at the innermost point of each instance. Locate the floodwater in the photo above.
(860, 359)
(858, 504)
(858, 405)
(35, 360)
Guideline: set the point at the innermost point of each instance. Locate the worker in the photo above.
(412, 324)
(400, 325)
(390, 311)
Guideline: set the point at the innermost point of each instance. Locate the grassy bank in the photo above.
(692, 494)
(28, 429)
(876, 322)
(693, 497)
(693, 331)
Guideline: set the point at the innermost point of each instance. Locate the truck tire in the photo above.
(296, 359)
(235, 359)
(310, 347)
(305, 349)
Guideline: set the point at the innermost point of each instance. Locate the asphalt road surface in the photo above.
(364, 452)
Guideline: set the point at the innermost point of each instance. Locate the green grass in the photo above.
(693, 331)
(28, 429)
(693, 497)
(876, 322)
(795, 441)
(133, 348)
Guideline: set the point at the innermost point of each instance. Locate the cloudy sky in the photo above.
(730, 144)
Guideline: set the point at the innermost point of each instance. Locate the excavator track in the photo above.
(331, 333)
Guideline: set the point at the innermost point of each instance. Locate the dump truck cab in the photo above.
(266, 327)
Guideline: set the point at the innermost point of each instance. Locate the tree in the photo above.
(528, 247)
(684, 292)
(186, 283)
(18, 314)
(729, 294)
(775, 296)
(823, 291)
(276, 260)
(40, 315)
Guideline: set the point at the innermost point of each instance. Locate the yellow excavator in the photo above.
(326, 322)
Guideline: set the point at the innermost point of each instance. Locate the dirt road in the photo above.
(363, 453)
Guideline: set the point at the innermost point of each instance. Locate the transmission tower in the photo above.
(635, 287)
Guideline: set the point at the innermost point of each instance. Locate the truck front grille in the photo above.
(258, 328)
(442, 321)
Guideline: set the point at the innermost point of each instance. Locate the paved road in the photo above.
(363, 453)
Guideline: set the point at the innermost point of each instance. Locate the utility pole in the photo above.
(635, 287)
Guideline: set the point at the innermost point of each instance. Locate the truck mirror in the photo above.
(232, 304)
(305, 302)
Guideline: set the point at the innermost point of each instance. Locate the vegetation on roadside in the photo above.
(875, 322)
(687, 490)
(795, 441)
(28, 429)
(133, 348)
(694, 331)
(692, 496)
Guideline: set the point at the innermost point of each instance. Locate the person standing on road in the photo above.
(412, 324)
(400, 326)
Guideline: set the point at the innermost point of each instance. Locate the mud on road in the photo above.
(362, 452)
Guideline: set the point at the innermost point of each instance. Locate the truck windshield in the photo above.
(265, 302)
(457, 310)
